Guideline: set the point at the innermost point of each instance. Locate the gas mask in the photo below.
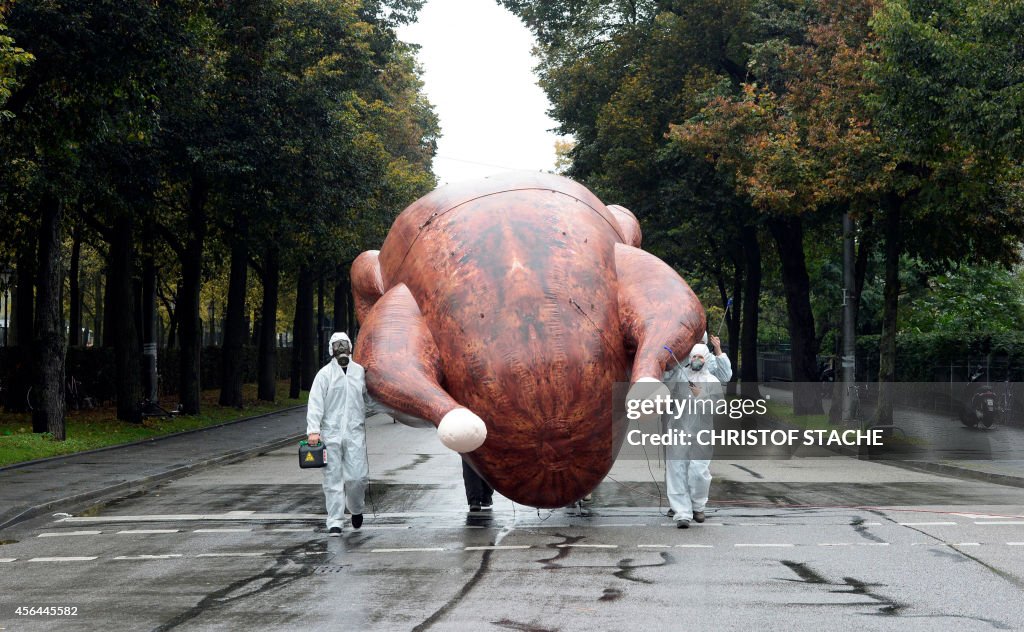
(342, 352)
(696, 365)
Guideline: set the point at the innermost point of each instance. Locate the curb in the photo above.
(146, 482)
(60, 457)
(953, 471)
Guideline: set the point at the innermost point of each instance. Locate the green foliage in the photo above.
(968, 299)
(10, 58)
(929, 357)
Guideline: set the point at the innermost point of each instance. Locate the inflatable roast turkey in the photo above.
(503, 311)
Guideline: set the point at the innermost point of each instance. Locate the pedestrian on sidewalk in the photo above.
(336, 413)
(688, 467)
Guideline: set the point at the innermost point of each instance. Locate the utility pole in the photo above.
(849, 359)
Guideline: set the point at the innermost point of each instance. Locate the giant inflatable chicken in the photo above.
(503, 311)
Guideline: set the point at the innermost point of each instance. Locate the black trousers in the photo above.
(477, 489)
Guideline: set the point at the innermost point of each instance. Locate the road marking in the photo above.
(65, 533)
(622, 524)
(148, 557)
(222, 531)
(872, 544)
(4, 560)
(1016, 522)
(654, 546)
(588, 546)
(764, 545)
(924, 524)
(498, 547)
(945, 544)
(1015, 543)
(868, 524)
(966, 544)
(255, 554)
(756, 524)
(835, 544)
(241, 513)
(194, 517)
(305, 530)
(695, 546)
(147, 531)
(62, 559)
(412, 550)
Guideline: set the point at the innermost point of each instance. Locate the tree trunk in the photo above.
(122, 310)
(751, 309)
(98, 314)
(341, 300)
(234, 321)
(149, 330)
(887, 341)
(48, 343)
(732, 320)
(187, 305)
(75, 290)
(789, 239)
(320, 356)
(24, 297)
(302, 344)
(268, 326)
(308, 351)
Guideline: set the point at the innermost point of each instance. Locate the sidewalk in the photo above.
(31, 489)
(993, 455)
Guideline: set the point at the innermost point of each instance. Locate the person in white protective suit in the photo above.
(688, 468)
(718, 363)
(336, 413)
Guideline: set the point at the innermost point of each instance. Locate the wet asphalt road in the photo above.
(799, 544)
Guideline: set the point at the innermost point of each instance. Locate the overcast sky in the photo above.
(478, 74)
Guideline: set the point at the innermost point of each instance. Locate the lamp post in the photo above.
(6, 274)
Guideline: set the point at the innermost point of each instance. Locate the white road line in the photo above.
(654, 546)
(1002, 522)
(872, 544)
(62, 559)
(148, 557)
(315, 553)
(924, 524)
(4, 560)
(966, 544)
(58, 534)
(945, 544)
(695, 546)
(622, 524)
(498, 547)
(835, 544)
(147, 531)
(222, 531)
(764, 545)
(1015, 544)
(412, 550)
(587, 546)
(194, 517)
(869, 524)
(756, 524)
(255, 554)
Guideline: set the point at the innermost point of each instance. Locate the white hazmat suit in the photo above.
(337, 409)
(687, 469)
